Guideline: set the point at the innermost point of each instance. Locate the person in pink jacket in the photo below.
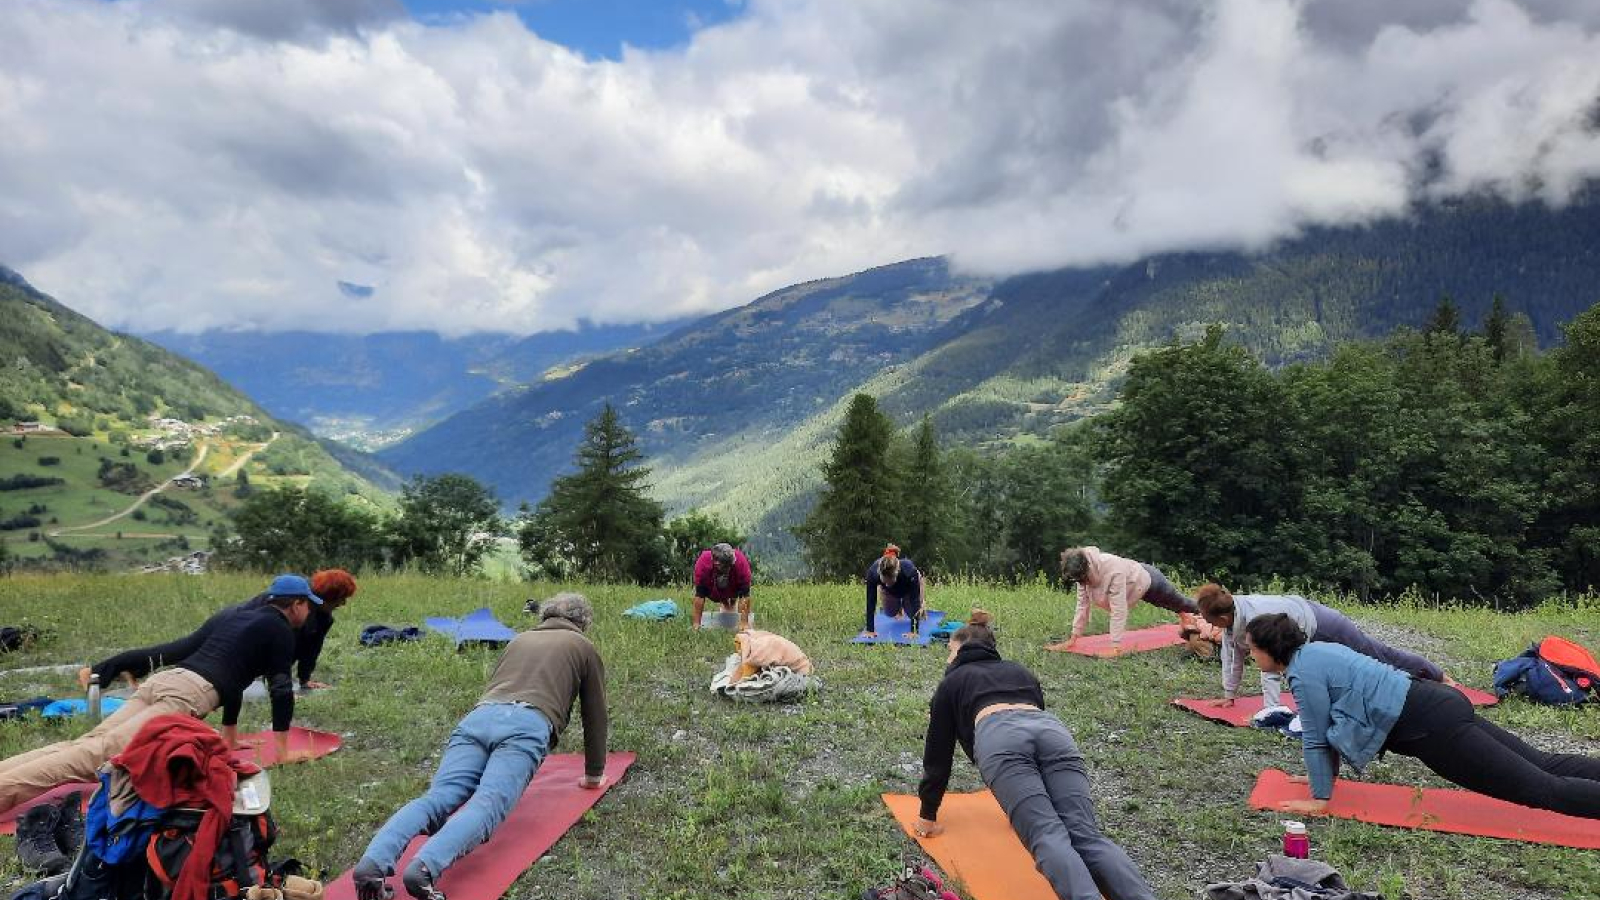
(722, 575)
(1113, 583)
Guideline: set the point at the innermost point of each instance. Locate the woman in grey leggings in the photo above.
(995, 709)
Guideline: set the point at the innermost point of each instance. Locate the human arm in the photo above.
(596, 724)
(742, 576)
(872, 603)
(1080, 615)
(1232, 662)
(938, 752)
(308, 643)
(1117, 599)
(1316, 716)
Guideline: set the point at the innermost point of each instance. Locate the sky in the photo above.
(489, 165)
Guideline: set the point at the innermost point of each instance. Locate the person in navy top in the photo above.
(900, 584)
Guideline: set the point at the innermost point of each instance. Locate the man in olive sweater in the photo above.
(496, 749)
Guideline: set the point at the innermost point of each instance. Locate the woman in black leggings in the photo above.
(1354, 707)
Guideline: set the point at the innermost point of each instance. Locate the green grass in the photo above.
(783, 802)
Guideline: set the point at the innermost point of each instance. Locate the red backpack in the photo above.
(1573, 661)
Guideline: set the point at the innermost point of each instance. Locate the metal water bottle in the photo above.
(94, 697)
(1296, 843)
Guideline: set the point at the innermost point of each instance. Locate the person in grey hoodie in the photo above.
(1233, 613)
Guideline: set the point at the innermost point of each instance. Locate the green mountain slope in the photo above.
(98, 420)
(737, 410)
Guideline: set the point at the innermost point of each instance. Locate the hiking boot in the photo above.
(36, 841)
(369, 880)
(69, 823)
(419, 882)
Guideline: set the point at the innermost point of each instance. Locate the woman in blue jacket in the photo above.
(1354, 707)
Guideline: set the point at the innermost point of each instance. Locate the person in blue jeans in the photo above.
(496, 749)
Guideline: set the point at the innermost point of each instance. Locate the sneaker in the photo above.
(419, 882)
(36, 841)
(69, 823)
(370, 881)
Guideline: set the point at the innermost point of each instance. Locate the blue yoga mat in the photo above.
(74, 707)
(894, 631)
(478, 626)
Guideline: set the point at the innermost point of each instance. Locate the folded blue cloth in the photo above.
(654, 610)
(63, 708)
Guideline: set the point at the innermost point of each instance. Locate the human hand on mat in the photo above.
(927, 828)
(315, 685)
(592, 782)
(1304, 807)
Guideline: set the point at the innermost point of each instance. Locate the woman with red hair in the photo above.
(334, 586)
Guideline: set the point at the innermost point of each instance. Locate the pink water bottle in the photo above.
(1296, 843)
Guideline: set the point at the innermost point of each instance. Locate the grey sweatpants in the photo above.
(1335, 627)
(1030, 762)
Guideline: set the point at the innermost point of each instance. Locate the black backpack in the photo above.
(240, 861)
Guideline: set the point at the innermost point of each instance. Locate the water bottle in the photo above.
(94, 697)
(1296, 844)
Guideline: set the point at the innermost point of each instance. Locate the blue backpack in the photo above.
(1554, 671)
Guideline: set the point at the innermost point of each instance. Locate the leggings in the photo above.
(1439, 727)
(1336, 628)
(1164, 594)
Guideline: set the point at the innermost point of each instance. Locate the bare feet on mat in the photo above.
(1299, 779)
(592, 783)
(1305, 807)
(869, 634)
(1224, 702)
(927, 829)
(1062, 645)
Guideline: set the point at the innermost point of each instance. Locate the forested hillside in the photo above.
(99, 420)
(735, 411)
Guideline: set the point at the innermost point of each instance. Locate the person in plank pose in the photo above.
(334, 586)
(722, 575)
(495, 750)
(1233, 615)
(900, 584)
(995, 710)
(1114, 584)
(242, 647)
(1354, 707)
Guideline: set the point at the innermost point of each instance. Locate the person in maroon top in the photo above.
(722, 575)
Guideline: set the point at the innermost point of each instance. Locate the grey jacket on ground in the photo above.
(1286, 878)
(1234, 649)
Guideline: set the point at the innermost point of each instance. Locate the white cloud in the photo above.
(190, 163)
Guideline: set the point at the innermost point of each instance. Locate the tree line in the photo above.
(1462, 464)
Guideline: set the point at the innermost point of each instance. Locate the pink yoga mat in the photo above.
(551, 805)
(1434, 809)
(1240, 712)
(320, 743)
(1154, 638)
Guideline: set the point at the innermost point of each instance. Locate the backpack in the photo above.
(240, 861)
(1554, 671)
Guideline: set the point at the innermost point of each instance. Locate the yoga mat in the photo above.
(1154, 638)
(551, 805)
(1240, 712)
(978, 847)
(1434, 809)
(895, 631)
(320, 743)
(479, 625)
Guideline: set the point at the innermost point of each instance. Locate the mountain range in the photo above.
(736, 411)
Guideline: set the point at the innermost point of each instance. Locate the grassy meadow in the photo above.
(783, 802)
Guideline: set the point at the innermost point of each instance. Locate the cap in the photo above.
(292, 586)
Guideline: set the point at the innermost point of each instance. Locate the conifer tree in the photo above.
(1446, 318)
(927, 499)
(602, 514)
(1497, 329)
(856, 513)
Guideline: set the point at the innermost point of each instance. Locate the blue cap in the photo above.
(292, 586)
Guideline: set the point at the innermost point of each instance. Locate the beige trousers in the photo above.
(30, 774)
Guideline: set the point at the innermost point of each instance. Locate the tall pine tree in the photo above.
(858, 511)
(601, 516)
(927, 500)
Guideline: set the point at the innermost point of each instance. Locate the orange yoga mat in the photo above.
(263, 751)
(1434, 809)
(1099, 645)
(1240, 712)
(978, 847)
(551, 805)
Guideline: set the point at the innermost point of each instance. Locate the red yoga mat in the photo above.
(1099, 645)
(551, 805)
(1240, 712)
(1434, 809)
(264, 754)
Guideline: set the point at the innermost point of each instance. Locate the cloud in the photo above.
(192, 163)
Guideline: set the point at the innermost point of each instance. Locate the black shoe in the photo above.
(36, 841)
(370, 883)
(69, 824)
(419, 882)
